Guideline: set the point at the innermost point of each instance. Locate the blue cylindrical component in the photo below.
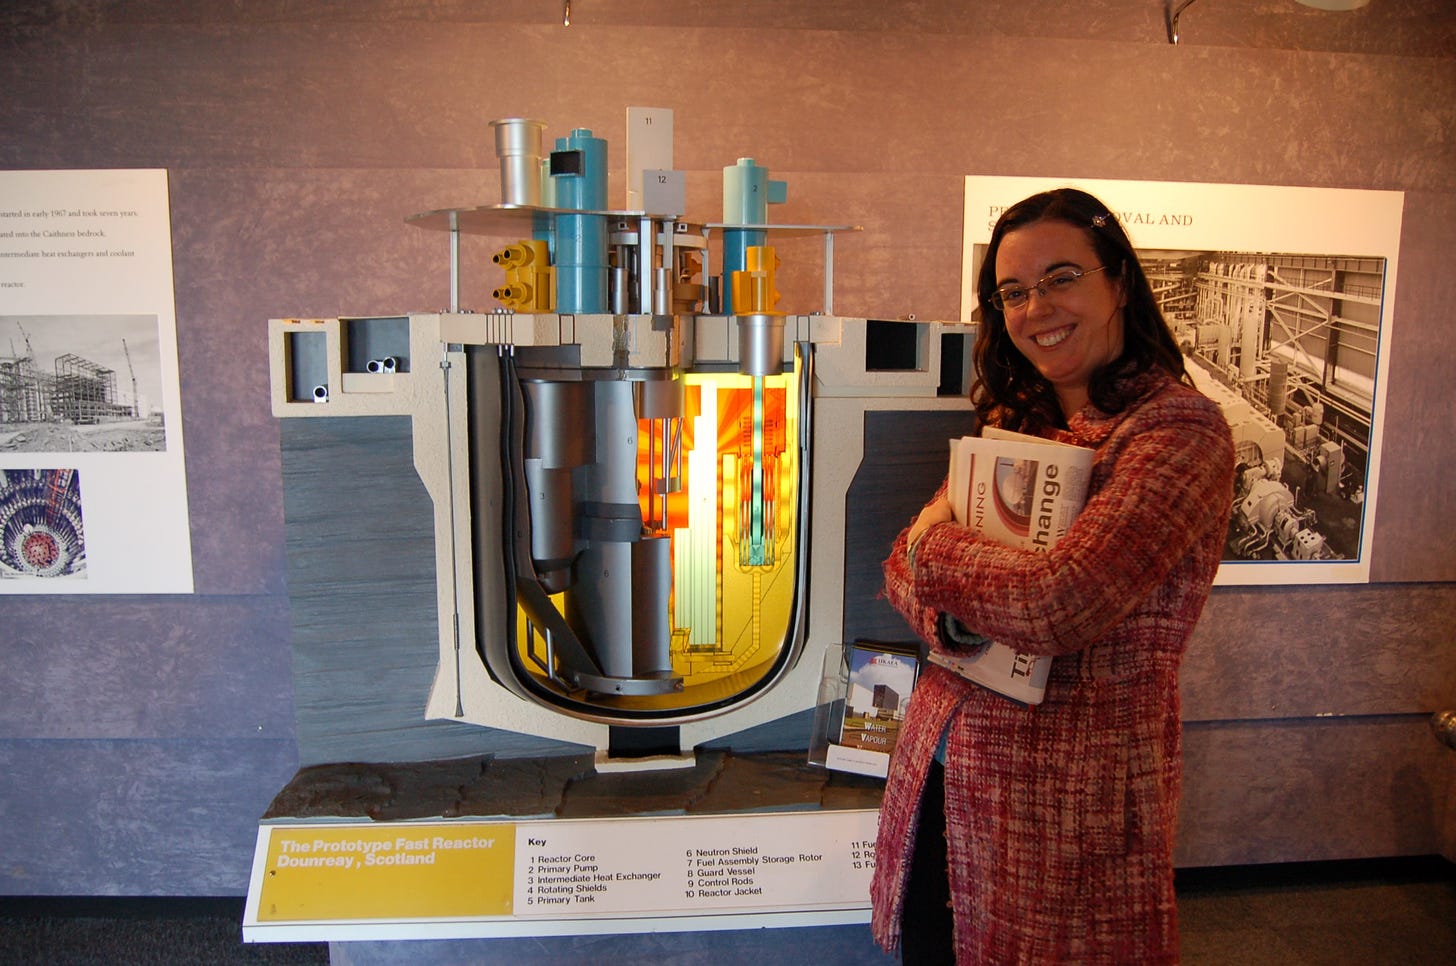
(579, 183)
(745, 193)
(581, 186)
(745, 202)
(581, 264)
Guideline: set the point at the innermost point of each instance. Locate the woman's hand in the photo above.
(938, 511)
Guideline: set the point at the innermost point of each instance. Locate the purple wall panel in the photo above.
(135, 818)
(1372, 787)
(1304, 652)
(137, 668)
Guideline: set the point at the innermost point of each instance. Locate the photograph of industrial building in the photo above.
(41, 535)
(880, 682)
(73, 384)
(1288, 345)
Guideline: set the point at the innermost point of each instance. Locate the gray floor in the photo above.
(1395, 912)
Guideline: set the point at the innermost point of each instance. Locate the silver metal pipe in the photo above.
(454, 261)
(829, 273)
(645, 242)
(518, 146)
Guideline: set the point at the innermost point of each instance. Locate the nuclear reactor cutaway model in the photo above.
(621, 458)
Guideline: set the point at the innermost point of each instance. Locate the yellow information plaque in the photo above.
(439, 879)
(397, 871)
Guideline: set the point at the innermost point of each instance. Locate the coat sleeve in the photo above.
(1161, 483)
(900, 587)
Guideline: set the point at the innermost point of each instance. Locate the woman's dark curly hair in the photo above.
(1008, 390)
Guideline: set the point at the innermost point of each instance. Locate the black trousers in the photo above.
(927, 925)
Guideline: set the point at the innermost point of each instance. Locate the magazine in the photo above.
(1023, 491)
(880, 680)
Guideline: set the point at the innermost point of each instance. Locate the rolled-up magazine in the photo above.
(1022, 491)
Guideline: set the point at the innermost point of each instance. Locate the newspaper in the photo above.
(1023, 491)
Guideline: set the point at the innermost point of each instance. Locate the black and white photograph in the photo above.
(1288, 345)
(89, 384)
(1279, 298)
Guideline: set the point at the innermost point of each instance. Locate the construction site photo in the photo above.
(76, 385)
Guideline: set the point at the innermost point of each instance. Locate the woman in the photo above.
(1045, 834)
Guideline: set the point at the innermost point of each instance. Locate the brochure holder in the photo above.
(863, 694)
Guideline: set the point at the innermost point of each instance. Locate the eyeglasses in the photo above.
(1015, 297)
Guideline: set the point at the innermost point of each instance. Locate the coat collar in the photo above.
(1092, 427)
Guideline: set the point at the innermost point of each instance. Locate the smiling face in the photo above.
(1070, 334)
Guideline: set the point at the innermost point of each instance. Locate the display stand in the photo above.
(863, 694)
(739, 841)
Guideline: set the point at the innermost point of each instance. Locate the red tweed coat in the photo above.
(1060, 817)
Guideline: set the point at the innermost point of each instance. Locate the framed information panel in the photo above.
(93, 483)
(464, 879)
